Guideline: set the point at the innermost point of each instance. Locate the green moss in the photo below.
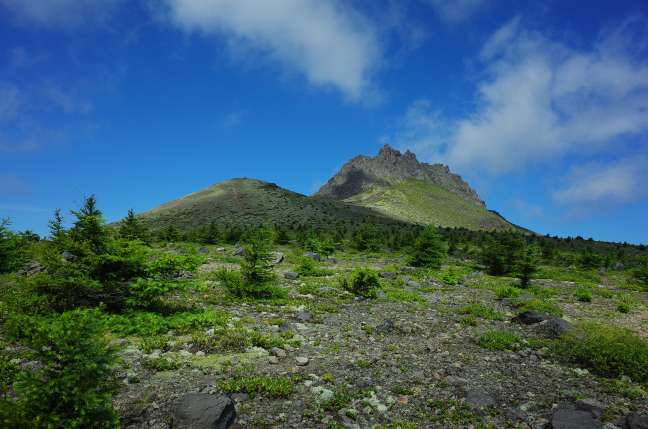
(499, 340)
(483, 311)
(278, 387)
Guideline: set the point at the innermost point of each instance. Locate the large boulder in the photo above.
(204, 411)
(31, 269)
(314, 256)
(571, 418)
(277, 258)
(635, 421)
(239, 251)
(530, 317)
(554, 327)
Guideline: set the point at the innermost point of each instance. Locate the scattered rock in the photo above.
(554, 327)
(387, 275)
(277, 258)
(220, 249)
(595, 407)
(313, 255)
(204, 411)
(407, 269)
(68, 256)
(478, 398)
(636, 421)
(301, 360)
(330, 260)
(239, 251)
(291, 275)
(304, 316)
(203, 250)
(31, 269)
(278, 352)
(530, 318)
(570, 418)
(273, 360)
(412, 283)
(385, 327)
(323, 394)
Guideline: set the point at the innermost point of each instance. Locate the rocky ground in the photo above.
(412, 358)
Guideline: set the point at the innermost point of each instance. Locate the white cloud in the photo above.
(325, 40)
(61, 13)
(456, 11)
(620, 182)
(540, 100)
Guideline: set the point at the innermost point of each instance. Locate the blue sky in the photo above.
(543, 108)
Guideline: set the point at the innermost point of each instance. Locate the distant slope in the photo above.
(254, 202)
(400, 186)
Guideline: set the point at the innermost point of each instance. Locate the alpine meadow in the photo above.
(323, 214)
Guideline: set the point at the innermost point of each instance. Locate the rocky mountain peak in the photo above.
(388, 167)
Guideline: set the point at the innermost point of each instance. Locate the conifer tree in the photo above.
(257, 263)
(89, 230)
(527, 265)
(428, 250)
(131, 228)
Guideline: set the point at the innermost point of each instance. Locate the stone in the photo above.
(273, 360)
(203, 250)
(530, 318)
(330, 260)
(278, 352)
(554, 327)
(301, 360)
(478, 398)
(277, 258)
(569, 418)
(204, 411)
(68, 256)
(323, 394)
(304, 316)
(239, 251)
(636, 421)
(407, 269)
(385, 327)
(220, 249)
(313, 255)
(291, 275)
(412, 283)
(592, 405)
(31, 269)
(387, 275)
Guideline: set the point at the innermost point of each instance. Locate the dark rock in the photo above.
(203, 250)
(595, 407)
(31, 269)
(407, 269)
(330, 260)
(530, 318)
(284, 327)
(478, 398)
(239, 251)
(204, 411)
(68, 256)
(387, 275)
(291, 275)
(554, 327)
(304, 316)
(412, 283)
(182, 274)
(570, 418)
(314, 256)
(636, 421)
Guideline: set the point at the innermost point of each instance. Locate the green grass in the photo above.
(576, 275)
(607, 350)
(538, 305)
(503, 292)
(583, 293)
(423, 202)
(276, 387)
(499, 340)
(145, 324)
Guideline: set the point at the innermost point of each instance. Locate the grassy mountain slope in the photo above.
(254, 202)
(422, 202)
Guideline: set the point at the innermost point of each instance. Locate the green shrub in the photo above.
(503, 292)
(539, 305)
(277, 387)
(308, 267)
(625, 303)
(607, 350)
(449, 277)
(256, 267)
(144, 324)
(147, 293)
(159, 363)
(362, 282)
(75, 385)
(238, 287)
(168, 266)
(483, 311)
(641, 275)
(156, 342)
(583, 294)
(499, 340)
(429, 250)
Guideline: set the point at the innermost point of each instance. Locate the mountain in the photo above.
(400, 186)
(255, 202)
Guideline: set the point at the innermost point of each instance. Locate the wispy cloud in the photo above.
(326, 41)
(12, 185)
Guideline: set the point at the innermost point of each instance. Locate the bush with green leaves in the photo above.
(308, 267)
(640, 274)
(504, 292)
(607, 350)
(167, 266)
(428, 250)
(74, 387)
(526, 265)
(583, 293)
(499, 340)
(238, 287)
(363, 282)
(367, 238)
(13, 252)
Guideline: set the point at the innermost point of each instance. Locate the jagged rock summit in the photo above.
(389, 167)
(399, 186)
